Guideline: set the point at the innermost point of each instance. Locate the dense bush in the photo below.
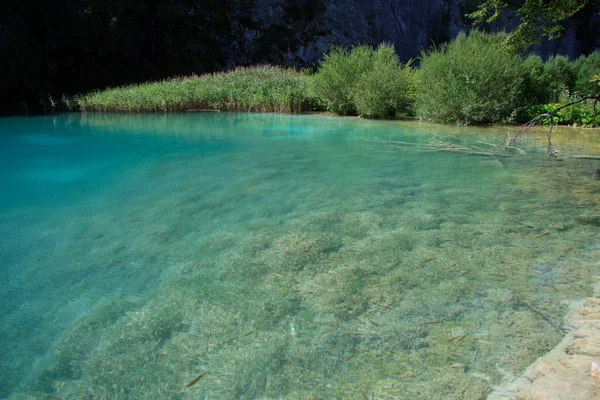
(559, 77)
(587, 68)
(471, 80)
(364, 81)
(534, 91)
(562, 82)
(387, 88)
(338, 73)
(263, 88)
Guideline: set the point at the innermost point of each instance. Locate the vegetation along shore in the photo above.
(472, 80)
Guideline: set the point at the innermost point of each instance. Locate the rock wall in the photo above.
(298, 32)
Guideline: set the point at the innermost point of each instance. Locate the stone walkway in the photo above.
(565, 372)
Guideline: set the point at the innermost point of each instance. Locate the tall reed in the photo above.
(259, 89)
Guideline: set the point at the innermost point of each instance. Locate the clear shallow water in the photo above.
(288, 256)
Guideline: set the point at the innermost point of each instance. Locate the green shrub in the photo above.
(559, 77)
(387, 88)
(471, 80)
(562, 82)
(533, 91)
(364, 81)
(587, 68)
(534, 88)
(337, 75)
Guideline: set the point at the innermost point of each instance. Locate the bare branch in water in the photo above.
(550, 151)
(434, 144)
(508, 149)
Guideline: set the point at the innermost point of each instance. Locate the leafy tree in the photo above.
(559, 77)
(587, 70)
(539, 19)
(534, 91)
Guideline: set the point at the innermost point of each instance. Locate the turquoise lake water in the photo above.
(289, 257)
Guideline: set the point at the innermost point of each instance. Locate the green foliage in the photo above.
(580, 114)
(471, 80)
(387, 89)
(559, 76)
(534, 90)
(586, 69)
(539, 18)
(261, 89)
(560, 83)
(339, 72)
(364, 81)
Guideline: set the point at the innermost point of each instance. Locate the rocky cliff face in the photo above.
(298, 32)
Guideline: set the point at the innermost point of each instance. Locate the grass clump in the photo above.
(258, 89)
(364, 81)
(471, 80)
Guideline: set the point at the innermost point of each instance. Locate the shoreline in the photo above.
(321, 113)
(565, 371)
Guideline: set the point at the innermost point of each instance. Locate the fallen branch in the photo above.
(550, 151)
(434, 144)
(486, 149)
(545, 317)
(583, 157)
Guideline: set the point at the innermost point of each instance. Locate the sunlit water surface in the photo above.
(290, 257)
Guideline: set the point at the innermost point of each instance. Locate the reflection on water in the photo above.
(287, 256)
